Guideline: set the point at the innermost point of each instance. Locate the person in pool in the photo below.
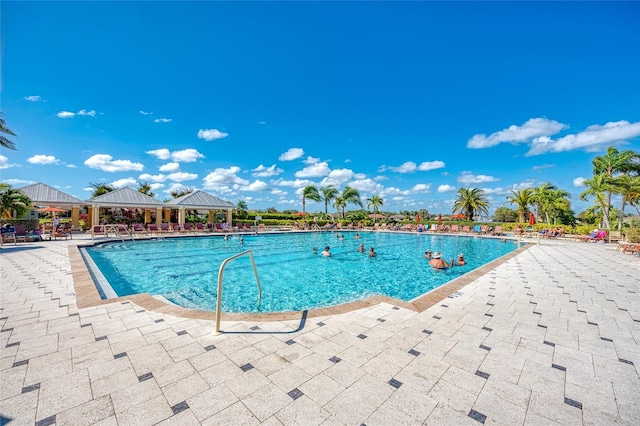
(437, 262)
(326, 252)
(372, 252)
(461, 261)
(361, 248)
(356, 236)
(315, 250)
(427, 254)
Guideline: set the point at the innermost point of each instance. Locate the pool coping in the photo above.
(87, 294)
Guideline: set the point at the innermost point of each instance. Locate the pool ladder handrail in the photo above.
(217, 331)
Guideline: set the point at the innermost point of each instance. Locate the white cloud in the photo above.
(211, 134)
(69, 114)
(169, 167)
(408, 167)
(467, 178)
(543, 166)
(65, 114)
(182, 176)
(186, 155)
(122, 183)
(163, 120)
(145, 113)
(224, 180)
(43, 159)
(19, 182)
(347, 161)
(71, 166)
(279, 192)
(262, 171)
(291, 154)
(446, 188)
(258, 185)
(161, 154)
(152, 178)
(175, 187)
(366, 185)
(532, 128)
(298, 183)
(314, 170)
(431, 165)
(311, 160)
(579, 182)
(85, 112)
(340, 176)
(262, 122)
(592, 138)
(421, 188)
(106, 163)
(34, 98)
(155, 186)
(4, 162)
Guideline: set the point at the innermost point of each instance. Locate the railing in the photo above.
(217, 331)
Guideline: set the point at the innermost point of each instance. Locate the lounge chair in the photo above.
(62, 232)
(466, 229)
(247, 226)
(219, 227)
(455, 228)
(164, 228)
(497, 230)
(188, 227)
(97, 230)
(8, 234)
(200, 227)
(138, 228)
(595, 237)
(630, 248)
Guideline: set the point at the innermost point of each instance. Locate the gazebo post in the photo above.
(212, 215)
(230, 217)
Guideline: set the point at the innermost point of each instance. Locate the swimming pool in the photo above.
(293, 278)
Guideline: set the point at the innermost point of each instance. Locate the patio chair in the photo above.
(8, 234)
(138, 228)
(97, 230)
(165, 228)
(62, 232)
(200, 227)
(497, 230)
(153, 228)
(188, 227)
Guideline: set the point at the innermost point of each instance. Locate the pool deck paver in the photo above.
(551, 336)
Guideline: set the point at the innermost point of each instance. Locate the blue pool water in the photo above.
(293, 278)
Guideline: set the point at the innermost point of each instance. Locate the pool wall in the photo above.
(87, 295)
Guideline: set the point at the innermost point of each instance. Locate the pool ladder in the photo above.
(217, 331)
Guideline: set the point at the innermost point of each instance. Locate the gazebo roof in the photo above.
(200, 200)
(125, 197)
(41, 194)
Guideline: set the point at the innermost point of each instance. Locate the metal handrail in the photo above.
(217, 331)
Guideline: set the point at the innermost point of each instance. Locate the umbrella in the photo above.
(376, 216)
(532, 218)
(439, 218)
(300, 214)
(459, 216)
(51, 210)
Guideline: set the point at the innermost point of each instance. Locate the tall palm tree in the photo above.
(597, 187)
(629, 188)
(557, 200)
(101, 189)
(522, 199)
(4, 130)
(611, 164)
(470, 201)
(339, 203)
(351, 196)
(540, 195)
(145, 188)
(328, 193)
(12, 200)
(177, 193)
(310, 192)
(376, 202)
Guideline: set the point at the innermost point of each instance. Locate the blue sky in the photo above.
(253, 101)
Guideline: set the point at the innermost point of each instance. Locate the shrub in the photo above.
(632, 234)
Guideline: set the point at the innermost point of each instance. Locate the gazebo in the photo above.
(44, 195)
(125, 198)
(200, 200)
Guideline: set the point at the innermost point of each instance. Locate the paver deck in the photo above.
(551, 336)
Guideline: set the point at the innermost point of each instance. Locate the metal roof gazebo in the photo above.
(200, 200)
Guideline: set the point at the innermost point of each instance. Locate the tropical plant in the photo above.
(145, 188)
(596, 188)
(241, 210)
(310, 192)
(505, 214)
(629, 188)
(376, 202)
(177, 193)
(471, 201)
(101, 189)
(557, 201)
(611, 164)
(540, 195)
(12, 200)
(4, 130)
(522, 199)
(328, 193)
(339, 203)
(351, 196)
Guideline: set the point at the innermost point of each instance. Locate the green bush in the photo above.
(632, 234)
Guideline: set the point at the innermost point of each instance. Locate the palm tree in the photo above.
(470, 201)
(177, 193)
(540, 194)
(610, 164)
(328, 194)
(376, 202)
(241, 209)
(522, 199)
(629, 188)
(351, 195)
(597, 187)
(557, 200)
(339, 203)
(4, 130)
(101, 189)
(310, 192)
(12, 200)
(145, 188)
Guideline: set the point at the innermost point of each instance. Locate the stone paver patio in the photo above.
(551, 336)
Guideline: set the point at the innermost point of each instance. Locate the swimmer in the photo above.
(437, 263)
(427, 254)
(326, 252)
(461, 261)
(357, 235)
(315, 250)
(361, 248)
(372, 252)
(226, 237)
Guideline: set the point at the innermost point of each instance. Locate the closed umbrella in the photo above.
(439, 218)
(532, 219)
(417, 218)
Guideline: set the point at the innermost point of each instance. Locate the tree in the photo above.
(145, 188)
(310, 192)
(629, 188)
(240, 210)
(522, 199)
(271, 210)
(596, 188)
(328, 193)
(557, 201)
(540, 194)
(177, 193)
(101, 189)
(4, 130)
(351, 196)
(609, 165)
(470, 201)
(12, 200)
(505, 214)
(339, 203)
(376, 202)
